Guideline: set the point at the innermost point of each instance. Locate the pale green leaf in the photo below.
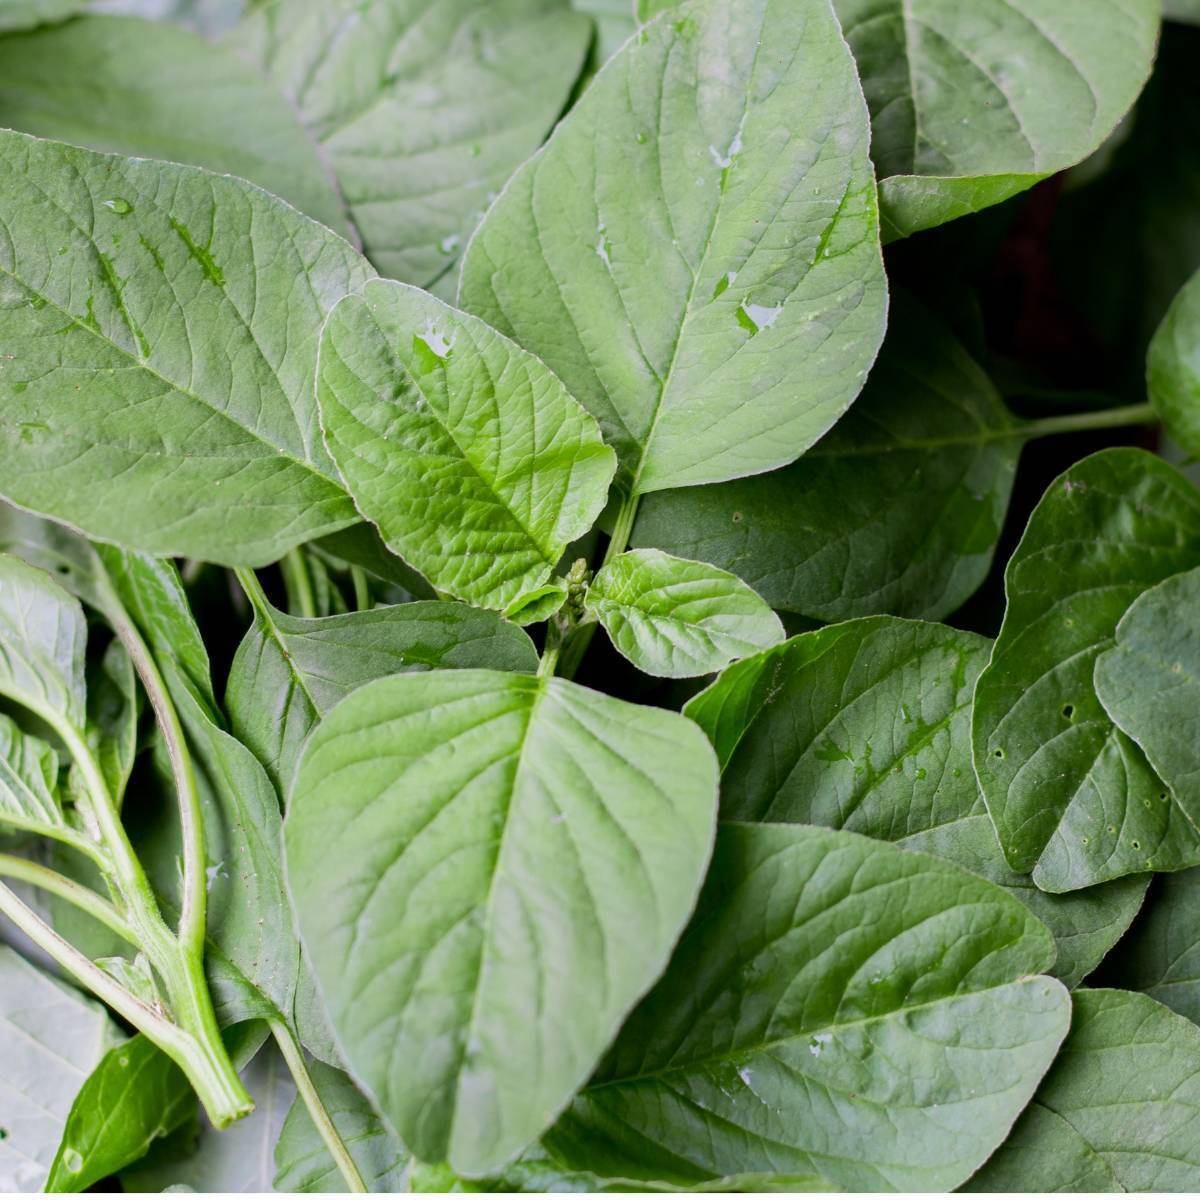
(971, 103)
(29, 795)
(695, 252)
(1072, 797)
(468, 454)
(1182, 10)
(897, 509)
(615, 24)
(675, 618)
(467, 852)
(50, 1040)
(290, 671)
(302, 1162)
(867, 726)
(1173, 368)
(161, 327)
(838, 1007)
(1127, 1083)
(26, 14)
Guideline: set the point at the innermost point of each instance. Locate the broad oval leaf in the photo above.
(290, 671)
(1173, 368)
(897, 509)
(51, 1037)
(839, 1007)
(467, 851)
(676, 618)
(160, 327)
(1127, 1083)
(867, 726)
(972, 103)
(1072, 797)
(468, 454)
(695, 252)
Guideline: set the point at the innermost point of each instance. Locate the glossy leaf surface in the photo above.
(465, 884)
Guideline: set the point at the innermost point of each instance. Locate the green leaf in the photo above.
(135, 1095)
(162, 326)
(114, 706)
(867, 726)
(615, 24)
(699, 264)
(1182, 10)
(676, 618)
(897, 509)
(1073, 799)
(1149, 683)
(838, 1007)
(971, 103)
(29, 795)
(1127, 1083)
(1161, 953)
(303, 1164)
(50, 1040)
(26, 14)
(471, 458)
(472, 877)
(290, 671)
(238, 1159)
(422, 111)
(1173, 368)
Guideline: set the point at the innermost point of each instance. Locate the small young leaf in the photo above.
(867, 726)
(1127, 1083)
(676, 618)
(302, 1162)
(897, 509)
(695, 252)
(467, 852)
(161, 329)
(50, 1040)
(1072, 797)
(290, 671)
(837, 1007)
(1173, 368)
(463, 449)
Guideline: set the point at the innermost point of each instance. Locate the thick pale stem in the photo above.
(362, 589)
(294, 1057)
(55, 884)
(299, 583)
(1105, 418)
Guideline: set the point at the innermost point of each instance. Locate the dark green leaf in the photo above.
(467, 853)
(1174, 369)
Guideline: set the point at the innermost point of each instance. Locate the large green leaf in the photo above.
(971, 103)
(695, 252)
(1182, 10)
(1127, 1083)
(161, 329)
(468, 454)
(897, 509)
(673, 617)
(1073, 799)
(50, 1039)
(467, 852)
(1173, 368)
(290, 671)
(867, 726)
(302, 1161)
(1161, 953)
(1149, 683)
(838, 1006)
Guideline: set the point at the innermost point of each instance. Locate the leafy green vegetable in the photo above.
(160, 355)
(471, 458)
(897, 509)
(677, 618)
(1173, 368)
(707, 278)
(1127, 1085)
(866, 726)
(50, 1039)
(1072, 797)
(494, 837)
(973, 103)
(815, 1018)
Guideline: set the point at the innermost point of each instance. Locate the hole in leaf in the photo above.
(1136, 844)
(1068, 711)
(998, 753)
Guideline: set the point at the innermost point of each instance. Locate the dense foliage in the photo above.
(599, 596)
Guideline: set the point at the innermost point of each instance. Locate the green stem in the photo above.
(622, 529)
(299, 583)
(82, 897)
(294, 1057)
(362, 589)
(1105, 418)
